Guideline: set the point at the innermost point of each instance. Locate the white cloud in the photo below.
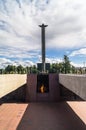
(79, 52)
(50, 59)
(53, 60)
(66, 20)
(19, 20)
(5, 62)
(17, 53)
(23, 63)
(77, 64)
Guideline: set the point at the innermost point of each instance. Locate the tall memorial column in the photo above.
(43, 45)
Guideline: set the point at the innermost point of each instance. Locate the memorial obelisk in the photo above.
(43, 45)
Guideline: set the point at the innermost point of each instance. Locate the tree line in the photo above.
(62, 67)
(12, 69)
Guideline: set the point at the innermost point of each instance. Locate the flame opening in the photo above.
(42, 89)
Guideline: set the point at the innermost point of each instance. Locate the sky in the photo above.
(20, 35)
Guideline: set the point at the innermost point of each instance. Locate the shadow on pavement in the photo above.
(50, 116)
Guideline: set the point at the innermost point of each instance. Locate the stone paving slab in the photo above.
(79, 108)
(10, 115)
(43, 116)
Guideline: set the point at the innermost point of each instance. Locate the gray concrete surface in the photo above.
(75, 83)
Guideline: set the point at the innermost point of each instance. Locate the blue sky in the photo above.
(20, 36)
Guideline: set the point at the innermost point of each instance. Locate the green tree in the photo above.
(1, 71)
(27, 69)
(10, 69)
(66, 64)
(34, 69)
(73, 69)
(20, 69)
(52, 68)
(61, 70)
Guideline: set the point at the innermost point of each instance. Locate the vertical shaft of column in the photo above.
(43, 49)
(43, 45)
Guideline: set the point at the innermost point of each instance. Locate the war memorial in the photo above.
(43, 101)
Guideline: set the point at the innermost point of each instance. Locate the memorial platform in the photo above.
(43, 116)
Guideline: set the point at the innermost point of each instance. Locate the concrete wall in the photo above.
(13, 86)
(75, 83)
(11, 82)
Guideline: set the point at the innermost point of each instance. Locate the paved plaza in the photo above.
(43, 116)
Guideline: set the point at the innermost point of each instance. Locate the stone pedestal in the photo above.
(31, 91)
